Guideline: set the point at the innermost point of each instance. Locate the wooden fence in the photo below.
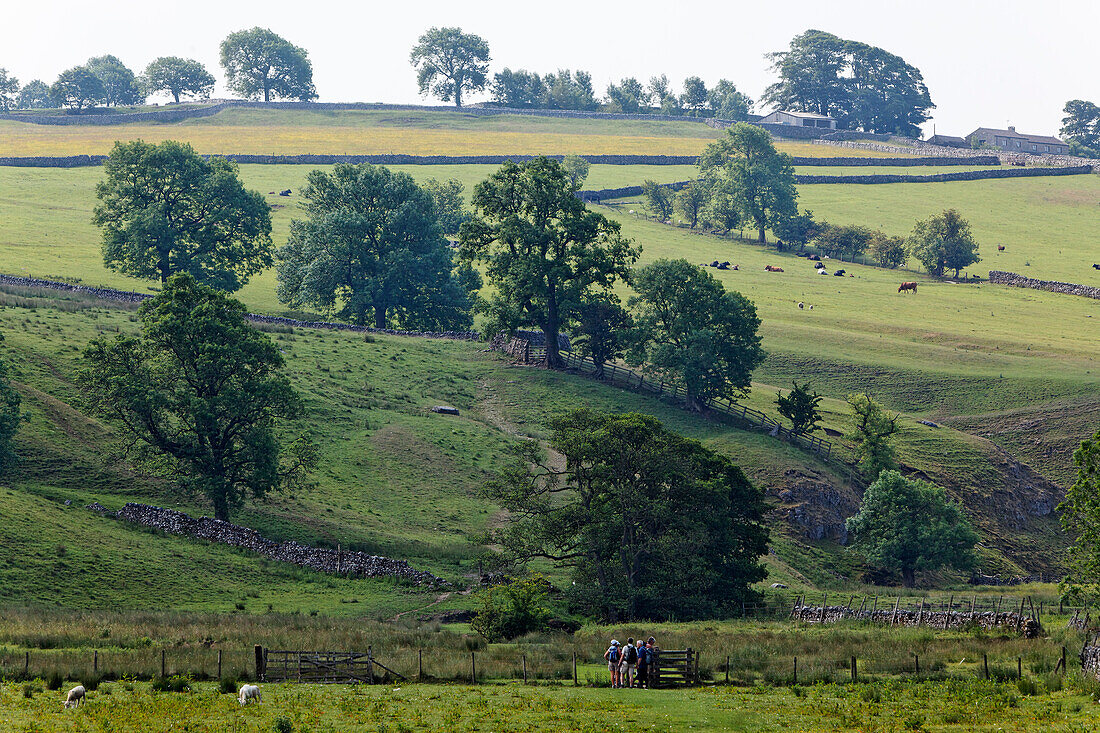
(674, 668)
(726, 407)
(278, 665)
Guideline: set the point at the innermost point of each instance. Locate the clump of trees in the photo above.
(199, 396)
(77, 88)
(1081, 127)
(164, 209)
(905, 526)
(120, 85)
(650, 525)
(259, 64)
(9, 90)
(372, 250)
(800, 407)
(861, 86)
(450, 63)
(565, 89)
(872, 432)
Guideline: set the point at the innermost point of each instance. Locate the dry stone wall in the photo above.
(941, 177)
(356, 564)
(131, 297)
(1090, 660)
(940, 151)
(989, 620)
(1011, 279)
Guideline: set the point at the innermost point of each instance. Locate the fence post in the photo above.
(95, 660)
(473, 670)
(916, 664)
(795, 671)
(985, 664)
(219, 664)
(824, 597)
(419, 665)
(728, 666)
(259, 650)
(1063, 660)
(894, 618)
(853, 668)
(525, 669)
(163, 665)
(575, 681)
(26, 663)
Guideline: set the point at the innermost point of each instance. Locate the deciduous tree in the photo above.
(691, 200)
(120, 86)
(1081, 126)
(576, 168)
(542, 249)
(798, 229)
(872, 432)
(892, 252)
(602, 328)
(372, 248)
(450, 207)
(179, 77)
(693, 332)
(36, 95)
(164, 209)
(78, 87)
(727, 103)
(260, 63)
(9, 90)
(694, 96)
(200, 395)
(628, 96)
(1080, 516)
(904, 526)
(449, 63)
(746, 164)
(651, 525)
(800, 407)
(944, 242)
(518, 88)
(660, 200)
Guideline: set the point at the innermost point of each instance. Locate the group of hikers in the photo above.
(630, 664)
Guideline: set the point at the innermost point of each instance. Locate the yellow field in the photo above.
(22, 139)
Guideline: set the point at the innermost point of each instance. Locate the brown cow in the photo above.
(907, 286)
(773, 268)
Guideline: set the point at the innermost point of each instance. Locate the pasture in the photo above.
(412, 132)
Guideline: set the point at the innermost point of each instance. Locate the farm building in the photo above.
(1017, 142)
(948, 141)
(800, 119)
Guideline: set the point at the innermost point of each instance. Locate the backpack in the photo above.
(614, 653)
(631, 654)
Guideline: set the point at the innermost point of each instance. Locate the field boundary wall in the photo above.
(939, 151)
(126, 296)
(1020, 623)
(1011, 279)
(336, 562)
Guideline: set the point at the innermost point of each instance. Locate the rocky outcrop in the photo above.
(337, 562)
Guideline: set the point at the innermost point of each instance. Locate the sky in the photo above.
(988, 63)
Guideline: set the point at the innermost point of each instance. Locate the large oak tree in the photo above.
(164, 209)
(199, 395)
(651, 525)
(542, 249)
(374, 249)
(261, 63)
(179, 77)
(449, 63)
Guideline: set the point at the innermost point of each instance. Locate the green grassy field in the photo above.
(930, 706)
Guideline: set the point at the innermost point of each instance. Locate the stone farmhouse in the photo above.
(800, 119)
(1016, 142)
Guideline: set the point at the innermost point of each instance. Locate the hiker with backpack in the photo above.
(629, 663)
(614, 655)
(643, 664)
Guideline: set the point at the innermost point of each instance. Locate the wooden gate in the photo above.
(674, 668)
(281, 665)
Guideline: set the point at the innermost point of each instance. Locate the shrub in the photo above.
(91, 682)
(283, 725)
(30, 690)
(227, 686)
(55, 681)
(175, 683)
(512, 610)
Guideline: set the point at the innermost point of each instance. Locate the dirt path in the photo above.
(438, 599)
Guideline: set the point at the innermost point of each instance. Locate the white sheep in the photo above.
(75, 696)
(249, 693)
(801, 305)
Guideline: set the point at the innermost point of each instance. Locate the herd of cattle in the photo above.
(819, 266)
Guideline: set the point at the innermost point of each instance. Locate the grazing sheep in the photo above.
(249, 693)
(75, 696)
(811, 306)
(801, 305)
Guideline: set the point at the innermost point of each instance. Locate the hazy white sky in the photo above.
(986, 62)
